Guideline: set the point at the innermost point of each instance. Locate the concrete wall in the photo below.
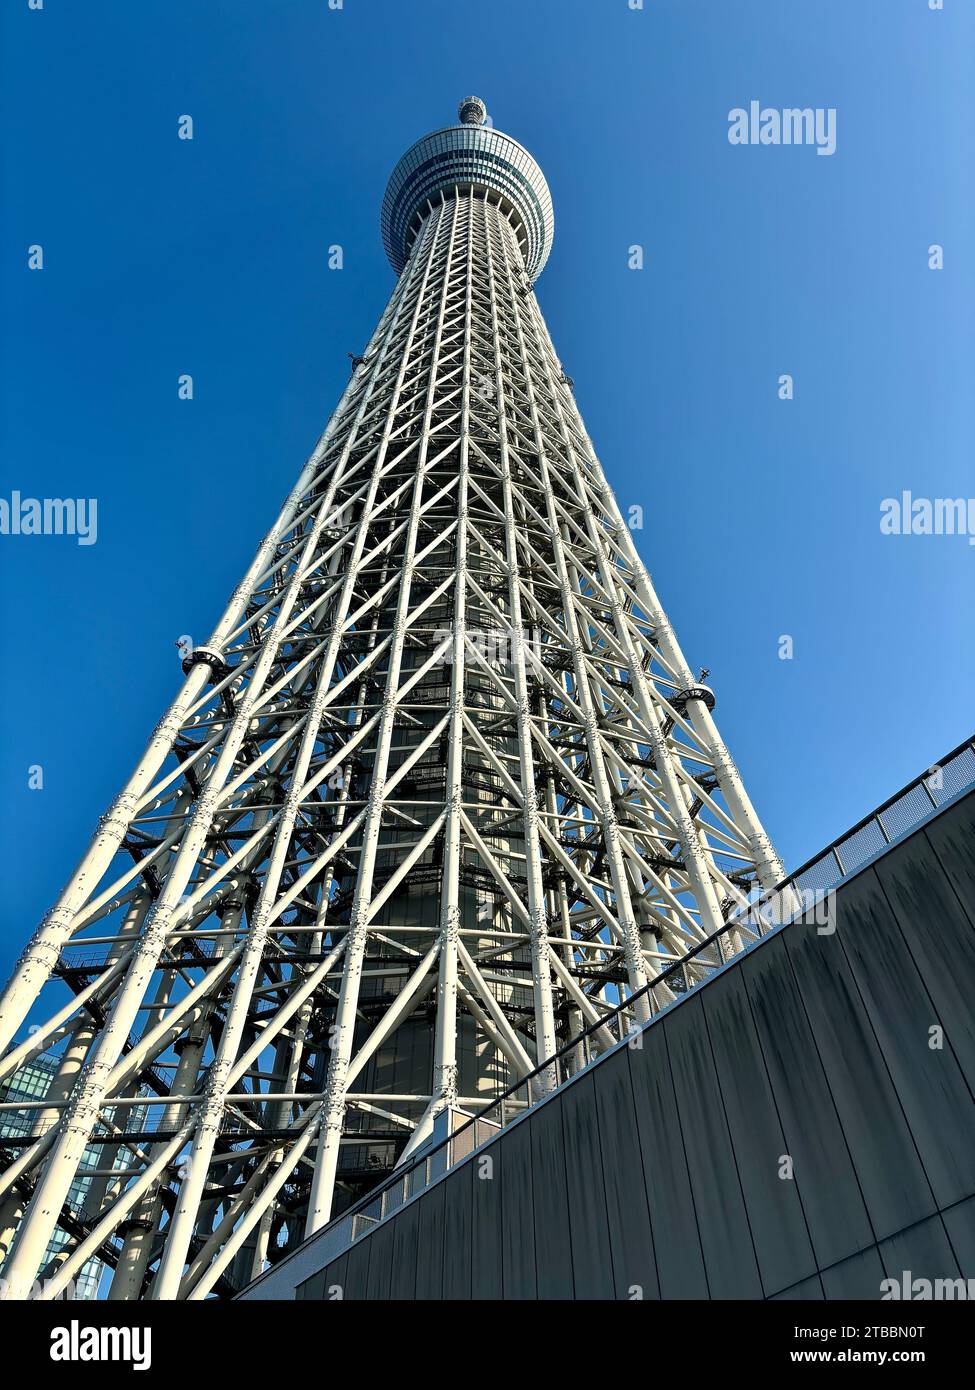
(656, 1173)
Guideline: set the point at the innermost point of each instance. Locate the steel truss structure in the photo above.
(439, 791)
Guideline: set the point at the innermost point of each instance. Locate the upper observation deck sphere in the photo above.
(476, 155)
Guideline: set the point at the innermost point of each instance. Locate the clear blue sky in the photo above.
(165, 257)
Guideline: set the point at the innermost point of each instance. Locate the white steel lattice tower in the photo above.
(440, 791)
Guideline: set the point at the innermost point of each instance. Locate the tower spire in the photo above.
(472, 111)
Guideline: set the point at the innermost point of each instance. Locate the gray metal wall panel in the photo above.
(458, 1217)
(809, 1291)
(726, 1240)
(429, 1249)
(775, 1214)
(924, 1251)
(380, 1260)
(486, 1279)
(892, 1180)
(404, 1264)
(858, 1278)
(680, 1262)
(312, 1289)
(938, 1106)
(592, 1268)
(627, 1210)
(828, 1187)
(357, 1270)
(513, 1174)
(551, 1213)
(939, 936)
(336, 1277)
(960, 1225)
(952, 837)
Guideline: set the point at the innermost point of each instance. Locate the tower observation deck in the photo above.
(440, 792)
(474, 156)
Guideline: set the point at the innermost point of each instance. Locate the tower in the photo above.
(440, 790)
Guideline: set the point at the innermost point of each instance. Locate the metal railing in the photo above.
(898, 816)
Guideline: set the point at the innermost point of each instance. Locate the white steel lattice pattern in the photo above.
(440, 791)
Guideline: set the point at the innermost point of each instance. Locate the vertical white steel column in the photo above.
(326, 1163)
(538, 928)
(445, 1039)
